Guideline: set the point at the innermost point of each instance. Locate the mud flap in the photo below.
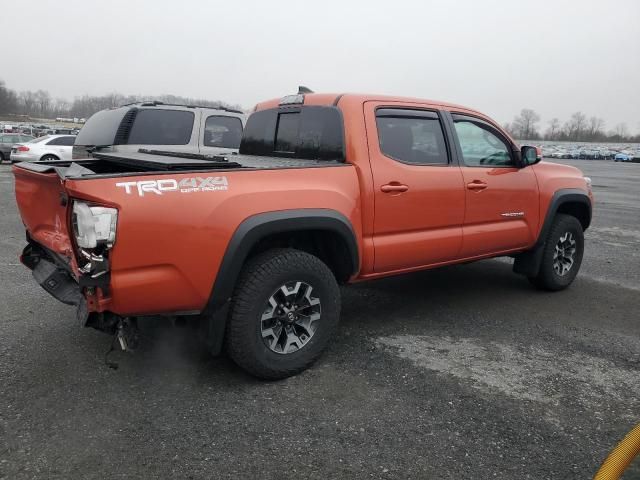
(58, 282)
(528, 263)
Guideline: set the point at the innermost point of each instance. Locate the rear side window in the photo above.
(411, 136)
(62, 141)
(222, 131)
(308, 132)
(101, 127)
(161, 127)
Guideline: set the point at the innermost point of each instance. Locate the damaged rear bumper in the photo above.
(55, 275)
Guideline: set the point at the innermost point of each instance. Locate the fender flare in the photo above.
(245, 237)
(528, 263)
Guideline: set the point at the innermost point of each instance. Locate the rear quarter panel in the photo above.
(169, 246)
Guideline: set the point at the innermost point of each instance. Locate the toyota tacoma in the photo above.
(326, 189)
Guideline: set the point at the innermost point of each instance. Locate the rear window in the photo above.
(161, 127)
(308, 132)
(101, 128)
(222, 131)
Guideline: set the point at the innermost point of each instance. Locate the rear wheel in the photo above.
(284, 311)
(48, 158)
(1, 157)
(562, 254)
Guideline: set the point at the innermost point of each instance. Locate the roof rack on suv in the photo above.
(155, 103)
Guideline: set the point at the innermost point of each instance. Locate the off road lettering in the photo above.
(186, 185)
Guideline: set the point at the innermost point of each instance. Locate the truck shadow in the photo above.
(427, 298)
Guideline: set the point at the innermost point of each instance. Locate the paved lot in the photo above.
(463, 372)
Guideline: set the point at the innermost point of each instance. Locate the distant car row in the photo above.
(625, 155)
(38, 130)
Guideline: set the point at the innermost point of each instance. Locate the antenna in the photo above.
(302, 90)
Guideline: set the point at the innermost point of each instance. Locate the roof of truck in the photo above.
(336, 98)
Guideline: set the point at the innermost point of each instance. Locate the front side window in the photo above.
(411, 136)
(481, 147)
(161, 127)
(222, 131)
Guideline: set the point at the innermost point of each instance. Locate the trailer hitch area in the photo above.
(126, 336)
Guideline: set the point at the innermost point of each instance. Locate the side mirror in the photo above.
(530, 155)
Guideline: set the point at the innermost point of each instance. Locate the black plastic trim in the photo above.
(335, 102)
(246, 236)
(565, 195)
(528, 263)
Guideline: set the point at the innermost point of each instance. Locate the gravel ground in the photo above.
(462, 372)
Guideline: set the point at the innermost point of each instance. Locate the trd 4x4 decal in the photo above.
(186, 185)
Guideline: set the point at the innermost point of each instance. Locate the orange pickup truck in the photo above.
(326, 189)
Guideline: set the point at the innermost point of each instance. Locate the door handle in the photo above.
(394, 187)
(477, 185)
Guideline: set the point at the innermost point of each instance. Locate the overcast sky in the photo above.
(555, 57)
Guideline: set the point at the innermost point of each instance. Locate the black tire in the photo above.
(260, 280)
(48, 158)
(548, 278)
(1, 157)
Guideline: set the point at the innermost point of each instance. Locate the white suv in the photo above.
(49, 147)
(160, 126)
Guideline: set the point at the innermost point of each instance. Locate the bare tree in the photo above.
(524, 125)
(575, 127)
(553, 132)
(43, 100)
(594, 129)
(27, 100)
(8, 99)
(620, 130)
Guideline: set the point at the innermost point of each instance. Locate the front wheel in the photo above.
(562, 254)
(284, 311)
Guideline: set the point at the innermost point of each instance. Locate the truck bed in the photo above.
(143, 162)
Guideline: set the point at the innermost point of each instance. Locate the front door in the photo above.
(502, 208)
(418, 190)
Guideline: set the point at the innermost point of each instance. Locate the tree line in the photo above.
(578, 128)
(40, 103)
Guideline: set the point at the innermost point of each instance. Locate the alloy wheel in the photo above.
(563, 257)
(290, 318)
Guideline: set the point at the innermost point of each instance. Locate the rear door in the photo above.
(502, 211)
(418, 189)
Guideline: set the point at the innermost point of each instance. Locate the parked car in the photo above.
(42, 149)
(327, 189)
(160, 126)
(622, 157)
(8, 140)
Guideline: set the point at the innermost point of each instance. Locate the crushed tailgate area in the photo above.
(462, 372)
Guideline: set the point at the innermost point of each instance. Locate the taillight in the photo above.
(22, 148)
(93, 225)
